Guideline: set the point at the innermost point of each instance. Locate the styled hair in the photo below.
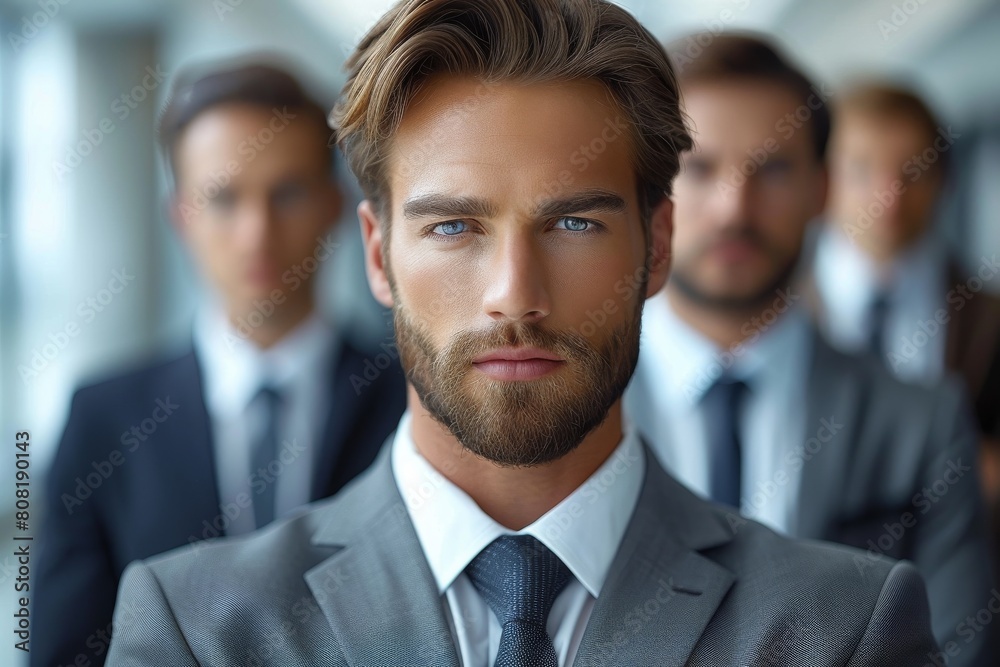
(731, 57)
(883, 101)
(200, 88)
(529, 41)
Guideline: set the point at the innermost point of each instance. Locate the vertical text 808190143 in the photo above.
(22, 541)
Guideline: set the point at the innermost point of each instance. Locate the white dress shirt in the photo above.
(914, 284)
(233, 372)
(678, 365)
(584, 531)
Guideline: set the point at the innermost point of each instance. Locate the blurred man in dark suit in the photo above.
(271, 407)
(757, 411)
(883, 280)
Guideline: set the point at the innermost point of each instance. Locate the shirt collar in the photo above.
(234, 369)
(584, 530)
(676, 350)
(850, 280)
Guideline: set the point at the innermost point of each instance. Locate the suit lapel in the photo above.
(377, 592)
(834, 399)
(660, 593)
(340, 415)
(347, 408)
(185, 450)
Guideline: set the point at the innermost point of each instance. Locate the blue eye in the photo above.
(574, 224)
(450, 228)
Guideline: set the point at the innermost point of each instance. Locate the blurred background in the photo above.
(83, 189)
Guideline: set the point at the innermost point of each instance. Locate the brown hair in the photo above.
(885, 101)
(715, 58)
(201, 88)
(502, 40)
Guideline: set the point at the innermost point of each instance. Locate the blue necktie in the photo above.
(878, 313)
(519, 578)
(264, 453)
(721, 409)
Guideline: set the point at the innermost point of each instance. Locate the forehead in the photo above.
(889, 135)
(245, 133)
(744, 114)
(510, 139)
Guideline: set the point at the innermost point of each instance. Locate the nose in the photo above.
(887, 186)
(255, 226)
(517, 289)
(731, 205)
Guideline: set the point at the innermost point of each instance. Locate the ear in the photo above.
(371, 237)
(661, 231)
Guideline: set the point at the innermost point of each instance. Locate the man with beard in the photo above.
(741, 398)
(516, 158)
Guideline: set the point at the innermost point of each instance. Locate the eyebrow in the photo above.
(443, 206)
(587, 201)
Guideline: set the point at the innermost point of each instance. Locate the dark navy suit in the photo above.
(117, 493)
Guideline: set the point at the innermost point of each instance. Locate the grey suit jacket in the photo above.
(895, 474)
(346, 583)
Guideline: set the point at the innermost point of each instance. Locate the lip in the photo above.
(262, 273)
(517, 364)
(517, 354)
(734, 250)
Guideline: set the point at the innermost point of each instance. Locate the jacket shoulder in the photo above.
(865, 604)
(138, 380)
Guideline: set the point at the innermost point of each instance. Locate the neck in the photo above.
(881, 255)
(513, 497)
(282, 321)
(726, 327)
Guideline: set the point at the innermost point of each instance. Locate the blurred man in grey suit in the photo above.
(909, 300)
(516, 159)
(740, 397)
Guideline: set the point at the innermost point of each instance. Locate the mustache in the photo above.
(469, 344)
(745, 233)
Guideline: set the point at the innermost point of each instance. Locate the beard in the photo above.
(739, 300)
(519, 423)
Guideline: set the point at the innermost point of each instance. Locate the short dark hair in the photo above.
(510, 40)
(728, 57)
(202, 87)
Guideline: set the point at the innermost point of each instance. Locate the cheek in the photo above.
(685, 229)
(207, 243)
(300, 243)
(598, 289)
(437, 288)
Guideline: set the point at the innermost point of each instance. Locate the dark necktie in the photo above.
(721, 408)
(519, 578)
(264, 453)
(878, 312)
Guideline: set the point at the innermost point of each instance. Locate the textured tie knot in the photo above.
(519, 578)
